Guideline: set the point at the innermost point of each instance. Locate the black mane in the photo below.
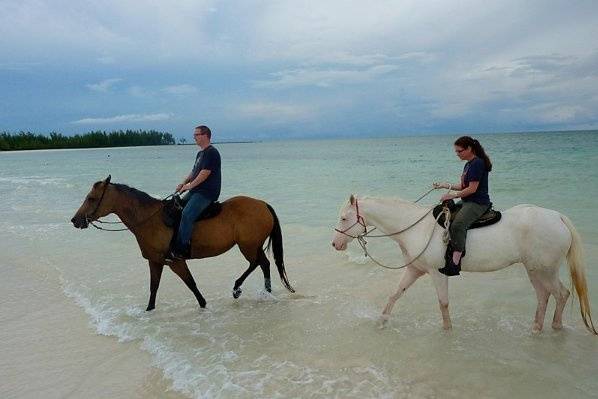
(142, 197)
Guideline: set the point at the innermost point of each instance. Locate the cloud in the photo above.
(559, 113)
(124, 118)
(432, 65)
(138, 91)
(179, 90)
(18, 66)
(103, 86)
(274, 112)
(106, 60)
(323, 77)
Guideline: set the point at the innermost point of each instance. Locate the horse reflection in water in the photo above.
(243, 221)
(536, 237)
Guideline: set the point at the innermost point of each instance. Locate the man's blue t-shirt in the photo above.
(475, 170)
(208, 159)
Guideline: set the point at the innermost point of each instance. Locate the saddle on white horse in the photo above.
(489, 217)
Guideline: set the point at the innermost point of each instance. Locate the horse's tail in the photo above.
(276, 242)
(578, 274)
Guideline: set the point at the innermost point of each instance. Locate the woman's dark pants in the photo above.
(469, 213)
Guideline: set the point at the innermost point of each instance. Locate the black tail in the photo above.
(276, 241)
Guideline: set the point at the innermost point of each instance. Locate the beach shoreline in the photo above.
(51, 350)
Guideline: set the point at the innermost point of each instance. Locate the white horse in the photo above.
(538, 238)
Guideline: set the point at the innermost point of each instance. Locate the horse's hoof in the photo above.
(268, 285)
(383, 321)
(557, 326)
(237, 292)
(536, 329)
(150, 308)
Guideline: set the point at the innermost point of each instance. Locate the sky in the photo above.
(298, 69)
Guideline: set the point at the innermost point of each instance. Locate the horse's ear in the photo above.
(352, 199)
(108, 179)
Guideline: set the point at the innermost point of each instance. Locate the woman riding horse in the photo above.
(473, 191)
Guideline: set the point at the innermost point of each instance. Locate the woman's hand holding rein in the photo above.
(441, 185)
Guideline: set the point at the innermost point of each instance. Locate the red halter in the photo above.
(360, 220)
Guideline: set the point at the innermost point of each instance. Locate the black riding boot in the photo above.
(450, 269)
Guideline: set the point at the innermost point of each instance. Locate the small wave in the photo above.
(40, 180)
(356, 257)
(103, 316)
(263, 295)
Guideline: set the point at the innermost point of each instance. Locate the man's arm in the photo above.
(201, 177)
(179, 187)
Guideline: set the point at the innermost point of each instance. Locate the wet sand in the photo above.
(50, 350)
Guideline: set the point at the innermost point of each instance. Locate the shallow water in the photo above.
(322, 341)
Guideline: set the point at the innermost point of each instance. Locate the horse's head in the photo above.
(350, 225)
(94, 206)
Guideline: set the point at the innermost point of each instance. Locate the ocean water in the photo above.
(323, 341)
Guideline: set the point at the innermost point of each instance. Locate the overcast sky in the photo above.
(276, 69)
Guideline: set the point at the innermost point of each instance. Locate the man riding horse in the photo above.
(203, 185)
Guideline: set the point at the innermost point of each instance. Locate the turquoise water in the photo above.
(323, 342)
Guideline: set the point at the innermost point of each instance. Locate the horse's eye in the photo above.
(344, 219)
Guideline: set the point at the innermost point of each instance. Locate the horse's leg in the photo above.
(181, 269)
(561, 294)
(410, 275)
(155, 275)
(265, 265)
(542, 295)
(441, 284)
(237, 288)
(252, 255)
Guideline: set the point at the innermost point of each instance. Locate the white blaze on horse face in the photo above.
(348, 226)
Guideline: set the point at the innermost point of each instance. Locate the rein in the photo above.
(91, 222)
(362, 242)
(361, 221)
(361, 238)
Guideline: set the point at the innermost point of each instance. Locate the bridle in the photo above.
(89, 219)
(360, 220)
(361, 238)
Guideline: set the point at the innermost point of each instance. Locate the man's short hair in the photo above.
(204, 130)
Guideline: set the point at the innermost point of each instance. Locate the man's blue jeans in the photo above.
(196, 204)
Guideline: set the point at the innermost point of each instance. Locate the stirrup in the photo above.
(174, 256)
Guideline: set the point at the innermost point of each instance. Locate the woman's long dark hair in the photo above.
(478, 150)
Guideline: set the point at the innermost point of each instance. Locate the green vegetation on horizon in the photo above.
(119, 138)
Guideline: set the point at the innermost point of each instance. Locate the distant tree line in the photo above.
(120, 138)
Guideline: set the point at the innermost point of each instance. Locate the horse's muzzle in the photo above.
(339, 247)
(80, 222)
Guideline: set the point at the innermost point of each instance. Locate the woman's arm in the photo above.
(467, 191)
(448, 186)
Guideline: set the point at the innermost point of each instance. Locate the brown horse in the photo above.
(244, 221)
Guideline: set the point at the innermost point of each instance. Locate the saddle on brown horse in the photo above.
(173, 209)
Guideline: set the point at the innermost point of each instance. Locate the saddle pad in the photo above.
(488, 218)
